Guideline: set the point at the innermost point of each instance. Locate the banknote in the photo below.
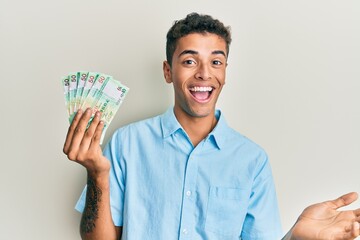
(65, 82)
(109, 101)
(94, 90)
(72, 90)
(92, 95)
(80, 88)
(90, 79)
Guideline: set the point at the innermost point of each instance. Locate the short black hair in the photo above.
(195, 23)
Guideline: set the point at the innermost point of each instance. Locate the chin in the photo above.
(200, 114)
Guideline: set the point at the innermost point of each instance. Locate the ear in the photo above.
(167, 72)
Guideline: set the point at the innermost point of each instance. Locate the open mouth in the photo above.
(201, 94)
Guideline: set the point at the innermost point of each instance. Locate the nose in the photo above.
(203, 72)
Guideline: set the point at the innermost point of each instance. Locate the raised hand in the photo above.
(82, 145)
(323, 221)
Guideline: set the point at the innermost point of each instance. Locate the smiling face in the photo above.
(197, 73)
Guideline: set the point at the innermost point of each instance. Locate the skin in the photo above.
(83, 147)
(199, 61)
(324, 221)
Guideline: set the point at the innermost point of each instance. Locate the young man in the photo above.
(186, 174)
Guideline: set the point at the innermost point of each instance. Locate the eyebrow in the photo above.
(193, 52)
(219, 52)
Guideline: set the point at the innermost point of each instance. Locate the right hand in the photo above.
(83, 145)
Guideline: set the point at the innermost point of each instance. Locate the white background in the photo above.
(293, 86)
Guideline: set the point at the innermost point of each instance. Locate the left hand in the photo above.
(323, 221)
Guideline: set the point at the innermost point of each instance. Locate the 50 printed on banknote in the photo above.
(94, 90)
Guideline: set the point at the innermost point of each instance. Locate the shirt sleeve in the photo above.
(111, 152)
(263, 220)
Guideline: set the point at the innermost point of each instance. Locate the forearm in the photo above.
(96, 222)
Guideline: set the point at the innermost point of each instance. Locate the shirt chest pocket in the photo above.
(226, 210)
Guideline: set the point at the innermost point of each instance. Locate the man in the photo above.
(186, 174)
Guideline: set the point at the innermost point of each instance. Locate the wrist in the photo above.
(100, 178)
(291, 235)
(99, 169)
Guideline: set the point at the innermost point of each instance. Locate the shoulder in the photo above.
(247, 152)
(233, 136)
(133, 136)
(139, 128)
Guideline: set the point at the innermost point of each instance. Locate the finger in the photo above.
(85, 143)
(351, 231)
(344, 200)
(357, 212)
(97, 135)
(355, 230)
(79, 134)
(71, 130)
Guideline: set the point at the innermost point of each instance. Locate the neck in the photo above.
(197, 128)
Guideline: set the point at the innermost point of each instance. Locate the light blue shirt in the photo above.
(164, 188)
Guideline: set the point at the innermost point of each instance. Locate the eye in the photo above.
(189, 62)
(217, 62)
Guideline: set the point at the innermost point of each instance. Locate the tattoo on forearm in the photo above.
(93, 197)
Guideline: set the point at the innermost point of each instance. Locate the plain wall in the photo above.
(293, 86)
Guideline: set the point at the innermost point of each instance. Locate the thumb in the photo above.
(344, 200)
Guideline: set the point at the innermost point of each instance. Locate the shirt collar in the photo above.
(218, 134)
(170, 125)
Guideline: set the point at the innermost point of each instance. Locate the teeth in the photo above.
(200, 89)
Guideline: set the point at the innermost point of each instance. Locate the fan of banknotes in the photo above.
(97, 91)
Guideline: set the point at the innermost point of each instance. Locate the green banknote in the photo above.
(80, 88)
(72, 91)
(97, 91)
(90, 79)
(109, 101)
(65, 83)
(93, 94)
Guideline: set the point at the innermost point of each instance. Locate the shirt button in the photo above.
(185, 231)
(188, 193)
